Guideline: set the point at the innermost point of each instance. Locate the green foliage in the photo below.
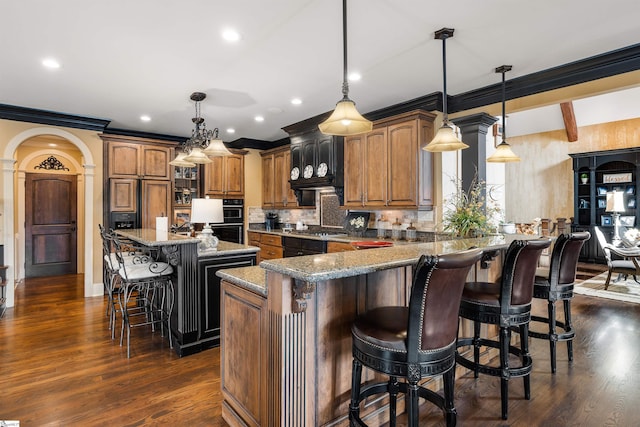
(467, 214)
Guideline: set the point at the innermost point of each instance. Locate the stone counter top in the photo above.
(343, 239)
(316, 268)
(251, 278)
(151, 237)
(227, 248)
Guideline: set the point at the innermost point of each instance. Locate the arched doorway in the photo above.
(11, 201)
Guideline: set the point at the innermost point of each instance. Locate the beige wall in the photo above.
(541, 184)
(35, 136)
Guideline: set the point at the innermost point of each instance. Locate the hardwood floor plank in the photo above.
(59, 367)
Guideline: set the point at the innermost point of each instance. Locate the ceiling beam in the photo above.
(569, 121)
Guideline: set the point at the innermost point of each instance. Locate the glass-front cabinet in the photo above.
(596, 176)
(186, 186)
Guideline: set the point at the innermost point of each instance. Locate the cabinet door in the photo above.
(268, 190)
(123, 160)
(290, 195)
(279, 173)
(309, 155)
(353, 171)
(403, 164)
(210, 293)
(234, 175)
(214, 177)
(156, 201)
(155, 162)
(375, 167)
(122, 195)
(325, 153)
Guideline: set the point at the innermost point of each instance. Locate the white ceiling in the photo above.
(124, 58)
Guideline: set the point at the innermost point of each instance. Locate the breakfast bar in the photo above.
(195, 319)
(286, 328)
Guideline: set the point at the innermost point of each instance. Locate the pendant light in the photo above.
(503, 153)
(445, 139)
(180, 161)
(345, 119)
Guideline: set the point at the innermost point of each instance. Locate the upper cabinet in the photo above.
(276, 173)
(224, 176)
(387, 166)
(138, 160)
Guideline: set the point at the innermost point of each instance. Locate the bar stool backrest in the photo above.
(564, 259)
(519, 271)
(436, 291)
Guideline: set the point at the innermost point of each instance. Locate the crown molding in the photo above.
(45, 117)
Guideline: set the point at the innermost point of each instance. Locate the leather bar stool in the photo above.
(558, 286)
(413, 342)
(506, 304)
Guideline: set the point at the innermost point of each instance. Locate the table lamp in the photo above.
(207, 211)
(615, 205)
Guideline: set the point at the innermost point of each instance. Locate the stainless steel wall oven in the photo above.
(232, 229)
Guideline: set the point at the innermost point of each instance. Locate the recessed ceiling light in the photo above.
(231, 130)
(145, 118)
(354, 77)
(296, 101)
(51, 63)
(230, 35)
(259, 119)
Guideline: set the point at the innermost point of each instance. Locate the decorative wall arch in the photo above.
(9, 200)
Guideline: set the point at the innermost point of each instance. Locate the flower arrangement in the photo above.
(467, 214)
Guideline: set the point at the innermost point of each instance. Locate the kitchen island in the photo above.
(195, 319)
(286, 328)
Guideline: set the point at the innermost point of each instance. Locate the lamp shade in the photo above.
(216, 148)
(206, 211)
(503, 154)
(180, 161)
(615, 201)
(345, 120)
(197, 156)
(445, 140)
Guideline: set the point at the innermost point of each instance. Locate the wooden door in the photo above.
(234, 174)
(214, 177)
(375, 170)
(268, 191)
(50, 225)
(155, 162)
(124, 160)
(279, 171)
(353, 171)
(403, 164)
(155, 201)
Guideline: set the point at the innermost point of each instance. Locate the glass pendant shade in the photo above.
(503, 154)
(180, 161)
(217, 148)
(445, 140)
(198, 156)
(345, 120)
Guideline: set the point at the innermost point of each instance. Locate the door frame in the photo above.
(9, 184)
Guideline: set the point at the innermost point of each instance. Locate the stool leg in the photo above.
(553, 336)
(449, 409)
(393, 400)
(526, 357)
(505, 337)
(412, 401)
(568, 327)
(476, 348)
(354, 407)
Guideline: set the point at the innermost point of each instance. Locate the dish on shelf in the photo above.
(371, 244)
(295, 173)
(308, 172)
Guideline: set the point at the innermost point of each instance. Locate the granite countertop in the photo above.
(316, 268)
(226, 248)
(345, 238)
(151, 237)
(251, 278)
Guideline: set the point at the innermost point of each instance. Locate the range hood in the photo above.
(317, 161)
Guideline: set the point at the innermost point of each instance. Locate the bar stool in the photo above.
(506, 304)
(558, 286)
(150, 287)
(413, 342)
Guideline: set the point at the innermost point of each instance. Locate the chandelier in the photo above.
(203, 144)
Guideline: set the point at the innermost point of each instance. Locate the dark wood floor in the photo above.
(59, 367)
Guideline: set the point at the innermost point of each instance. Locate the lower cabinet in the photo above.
(208, 306)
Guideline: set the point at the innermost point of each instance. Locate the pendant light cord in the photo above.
(503, 69)
(444, 80)
(345, 80)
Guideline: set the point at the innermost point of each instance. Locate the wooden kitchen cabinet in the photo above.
(387, 167)
(339, 247)
(123, 194)
(224, 176)
(137, 160)
(270, 246)
(276, 172)
(156, 199)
